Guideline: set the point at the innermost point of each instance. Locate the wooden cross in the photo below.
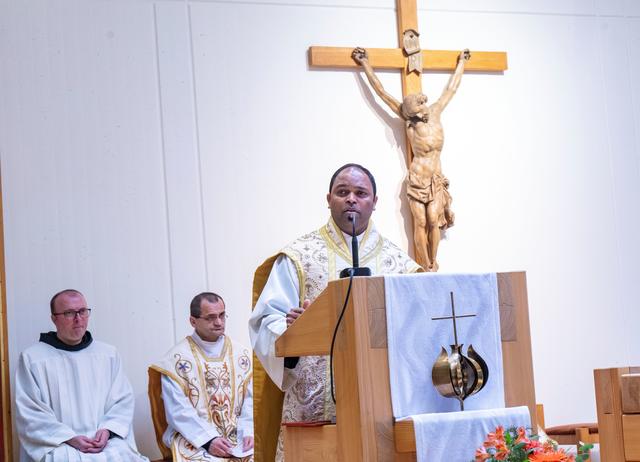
(396, 58)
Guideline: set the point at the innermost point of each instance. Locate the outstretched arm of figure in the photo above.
(360, 56)
(454, 80)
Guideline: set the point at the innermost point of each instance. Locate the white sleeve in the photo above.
(39, 429)
(119, 405)
(183, 418)
(268, 320)
(245, 420)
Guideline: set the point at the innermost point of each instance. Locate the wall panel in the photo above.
(153, 149)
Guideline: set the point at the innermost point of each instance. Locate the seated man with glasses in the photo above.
(73, 401)
(207, 390)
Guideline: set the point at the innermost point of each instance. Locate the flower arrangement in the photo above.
(513, 445)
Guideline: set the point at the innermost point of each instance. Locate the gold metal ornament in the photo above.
(456, 375)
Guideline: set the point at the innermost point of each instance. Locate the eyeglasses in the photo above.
(71, 314)
(213, 318)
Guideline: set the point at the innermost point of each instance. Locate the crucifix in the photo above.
(427, 188)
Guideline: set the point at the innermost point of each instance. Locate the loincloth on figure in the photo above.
(426, 190)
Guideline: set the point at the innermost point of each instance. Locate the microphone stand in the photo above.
(347, 273)
(356, 270)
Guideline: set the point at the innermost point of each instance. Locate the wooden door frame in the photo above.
(6, 433)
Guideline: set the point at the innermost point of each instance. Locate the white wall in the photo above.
(150, 150)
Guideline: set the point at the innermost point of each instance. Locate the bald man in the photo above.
(73, 401)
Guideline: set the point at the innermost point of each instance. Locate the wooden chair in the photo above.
(618, 403)
(569, 434)
(157, 413)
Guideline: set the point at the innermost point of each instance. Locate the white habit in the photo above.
(61, 394)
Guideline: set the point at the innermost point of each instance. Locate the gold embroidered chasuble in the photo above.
(318, 258)
(215, 386)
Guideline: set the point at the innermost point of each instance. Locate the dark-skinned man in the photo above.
(287, 283)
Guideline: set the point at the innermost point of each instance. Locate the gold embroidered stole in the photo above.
(215, 386)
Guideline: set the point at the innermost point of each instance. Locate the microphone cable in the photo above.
(335, 332)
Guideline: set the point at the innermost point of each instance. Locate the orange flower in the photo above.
(554, 456)
(533, 444)
(495, 438)
(482, 454)
(501, 451)
(522, 436)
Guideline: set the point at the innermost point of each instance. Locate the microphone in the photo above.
(354, 241)
(355, 270)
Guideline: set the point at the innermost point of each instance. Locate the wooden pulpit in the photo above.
(365, 429)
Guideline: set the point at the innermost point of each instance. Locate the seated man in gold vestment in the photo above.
(287, 283)
(207, 390)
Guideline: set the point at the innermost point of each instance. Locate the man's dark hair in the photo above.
(52, 303)
(197, 300)
(359, 167)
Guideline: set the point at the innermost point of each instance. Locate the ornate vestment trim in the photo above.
(172, 376)
(199, 353)
(370, 244)
(334, 237)
(293, 257)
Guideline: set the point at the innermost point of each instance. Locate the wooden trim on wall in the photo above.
(6, 440)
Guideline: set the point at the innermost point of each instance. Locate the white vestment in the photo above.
(219, 372)
(61, 394)
(309, 263)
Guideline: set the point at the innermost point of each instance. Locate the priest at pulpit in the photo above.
(286, 283)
